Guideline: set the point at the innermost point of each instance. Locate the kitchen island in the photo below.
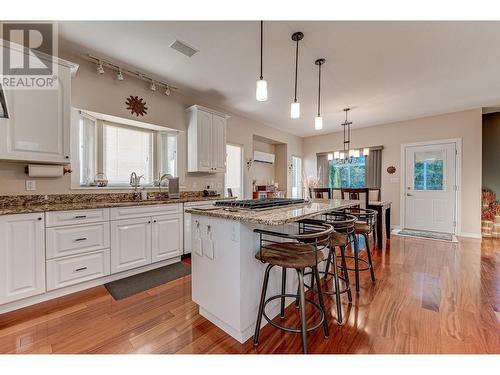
(226, 277)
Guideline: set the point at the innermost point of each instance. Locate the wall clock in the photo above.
(136, 105)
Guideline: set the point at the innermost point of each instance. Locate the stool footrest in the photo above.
(292, 329)
(333, 292)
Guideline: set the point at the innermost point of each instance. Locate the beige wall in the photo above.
(104, 94)
(465, 125)
(263, 173)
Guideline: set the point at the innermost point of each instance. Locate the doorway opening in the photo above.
(233, 180)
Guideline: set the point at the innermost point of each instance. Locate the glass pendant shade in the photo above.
(261, 90)
(356, 153)
(351, 153)
(295, 110)
(366, 151)
(336, 155)
(330, 157)
(341, 155)
(318, 123)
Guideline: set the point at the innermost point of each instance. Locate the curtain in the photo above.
(374, 169)
(323, 170)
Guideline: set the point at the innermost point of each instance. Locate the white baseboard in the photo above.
(470, 235)
(79, 287)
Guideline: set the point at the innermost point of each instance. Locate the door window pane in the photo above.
(428, 170)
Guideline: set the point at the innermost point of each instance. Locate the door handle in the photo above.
(409, 195)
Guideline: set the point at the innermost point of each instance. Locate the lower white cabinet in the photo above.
(130, 244)
(166, 237)
(22, 256)
(75, 269)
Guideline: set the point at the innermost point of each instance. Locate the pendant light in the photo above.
(261, 86)
(318, 120)
(295, 106)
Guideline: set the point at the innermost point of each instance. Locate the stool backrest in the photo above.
(320, 193)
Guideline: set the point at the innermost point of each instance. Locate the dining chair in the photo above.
(320, 193)
(359, 194)
(374, 195)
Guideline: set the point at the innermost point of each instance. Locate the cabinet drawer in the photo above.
(58, 218)
(76, 239)
(118, 213)
(71, 270)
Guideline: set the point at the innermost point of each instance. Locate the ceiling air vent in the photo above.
(183, 48)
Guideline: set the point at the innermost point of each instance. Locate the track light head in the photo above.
(119, 75)
(152, 87)
(167, 91)
(100, 68)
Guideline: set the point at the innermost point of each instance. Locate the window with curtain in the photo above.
(343, 175)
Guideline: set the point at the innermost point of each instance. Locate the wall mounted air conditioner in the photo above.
(263, 157)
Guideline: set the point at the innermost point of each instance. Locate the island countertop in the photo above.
(277, 216)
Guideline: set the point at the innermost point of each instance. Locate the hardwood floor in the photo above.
(430, 297)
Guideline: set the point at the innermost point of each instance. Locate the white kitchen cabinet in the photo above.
(130, 244)
(22, 256)
(206, 140)
(167, 237)
(39, 120)
(76, 269)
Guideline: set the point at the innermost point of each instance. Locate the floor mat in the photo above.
(448, 237)
(131, 285)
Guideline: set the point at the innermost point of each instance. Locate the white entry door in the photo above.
(430, 196)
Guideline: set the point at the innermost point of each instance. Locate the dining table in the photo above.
(383, 209)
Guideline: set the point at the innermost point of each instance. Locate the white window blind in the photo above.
(87, 149)
(168, 156)
(127, 150)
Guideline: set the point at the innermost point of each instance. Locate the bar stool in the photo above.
(366, 219)
(343, 225)
(297, 255)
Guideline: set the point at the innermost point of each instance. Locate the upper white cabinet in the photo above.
(22, 256)
(38, 123)
(206, 140)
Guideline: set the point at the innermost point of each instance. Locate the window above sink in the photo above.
(111, 148)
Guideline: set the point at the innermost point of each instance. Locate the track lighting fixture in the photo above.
(295, 106)
(100, 68)
(318, 120)
(261, 85)
(121, 72)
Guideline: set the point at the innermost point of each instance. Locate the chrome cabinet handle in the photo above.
(80, 269)
(80, 217)
(80, 239)
(409, 195)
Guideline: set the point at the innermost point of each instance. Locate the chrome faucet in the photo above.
(165, 176)
(135, 182)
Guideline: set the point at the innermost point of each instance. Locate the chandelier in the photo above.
(347, 155)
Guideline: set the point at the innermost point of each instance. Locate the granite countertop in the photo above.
(277, 216)
(40, 207)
